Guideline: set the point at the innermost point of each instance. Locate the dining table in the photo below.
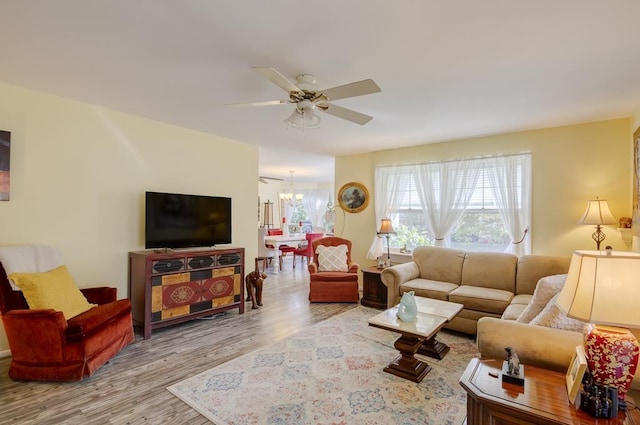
(293, 239)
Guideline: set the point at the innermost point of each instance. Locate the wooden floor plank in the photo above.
(131, 388)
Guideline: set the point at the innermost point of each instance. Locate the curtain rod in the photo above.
(455, 160)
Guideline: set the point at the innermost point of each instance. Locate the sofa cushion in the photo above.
(512, 311)
(553, 317)
(495, 270)
(481, 299)
(532, 268)
(54, 289)
(518, 304)
(439, 264)
(546, 289)
(430, 288)
(335, 277)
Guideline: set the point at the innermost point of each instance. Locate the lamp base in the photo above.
(612, 356)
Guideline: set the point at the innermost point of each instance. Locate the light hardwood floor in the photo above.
(131, 388)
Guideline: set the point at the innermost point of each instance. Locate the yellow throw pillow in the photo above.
(53, 289)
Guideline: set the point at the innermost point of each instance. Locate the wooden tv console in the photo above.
(169, 287)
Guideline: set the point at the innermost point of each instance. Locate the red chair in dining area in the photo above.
(307, 250)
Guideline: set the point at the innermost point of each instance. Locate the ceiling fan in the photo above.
(265, 179)
(308, 98)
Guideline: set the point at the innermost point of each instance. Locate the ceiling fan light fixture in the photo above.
(303, 118)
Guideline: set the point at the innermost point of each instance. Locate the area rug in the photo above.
(331, 374)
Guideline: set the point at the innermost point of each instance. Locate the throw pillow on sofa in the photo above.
(546, 288)
(552, 316)
(54, 289)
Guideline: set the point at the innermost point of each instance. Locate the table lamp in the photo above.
(598, 213)
(386, 228)
(603, 289)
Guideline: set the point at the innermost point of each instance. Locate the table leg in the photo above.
(276, 260)
(406, 365)
(433, 348)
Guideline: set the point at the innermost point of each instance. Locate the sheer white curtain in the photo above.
(386, 198)
(315, 203)
(444, 190)
(510, 177)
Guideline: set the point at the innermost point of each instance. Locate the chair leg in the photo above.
(264, 263)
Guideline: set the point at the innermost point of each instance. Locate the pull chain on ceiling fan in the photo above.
(308, 99)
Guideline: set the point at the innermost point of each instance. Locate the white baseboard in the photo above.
(5, 353)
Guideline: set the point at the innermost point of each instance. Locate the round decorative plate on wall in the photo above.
(353, 197)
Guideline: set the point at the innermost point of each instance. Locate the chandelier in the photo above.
(291, 196)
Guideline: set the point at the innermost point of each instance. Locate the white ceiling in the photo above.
(448, 69)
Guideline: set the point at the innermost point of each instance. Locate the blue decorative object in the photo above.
(408, 310)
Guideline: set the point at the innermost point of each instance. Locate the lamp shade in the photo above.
(597, 212)
(267, 215)
(603, 288)
(386, 226)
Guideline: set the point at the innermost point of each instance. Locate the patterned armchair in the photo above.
(333, 277)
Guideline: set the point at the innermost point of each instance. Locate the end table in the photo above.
(543, 400)
(374, 292)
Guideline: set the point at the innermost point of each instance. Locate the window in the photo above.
(476, 205)
(481, 228)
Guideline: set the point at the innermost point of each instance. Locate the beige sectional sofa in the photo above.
(488, 284)
(494, 288)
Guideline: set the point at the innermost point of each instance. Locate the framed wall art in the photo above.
(353, 197)
(5, 169)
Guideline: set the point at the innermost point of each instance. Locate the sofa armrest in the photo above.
(395, 276)
(313, 268)
(100, 295)
(35, 335)
(353, 268)
(536, 345)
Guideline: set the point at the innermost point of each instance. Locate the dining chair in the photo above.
(265, 253)
(306, 250)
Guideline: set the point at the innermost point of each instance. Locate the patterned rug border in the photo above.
(211, 392)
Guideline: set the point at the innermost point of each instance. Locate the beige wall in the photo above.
(570, 165)
(79, 173)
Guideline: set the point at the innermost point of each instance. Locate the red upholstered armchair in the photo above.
(47, 347)
(333, 277)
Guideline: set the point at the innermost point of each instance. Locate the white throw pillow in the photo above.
(553, 317)
(332, 258)
(546, 288)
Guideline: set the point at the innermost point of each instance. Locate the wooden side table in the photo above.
(542, 400)
(374, 292)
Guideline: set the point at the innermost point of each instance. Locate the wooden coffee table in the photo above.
(418, 336)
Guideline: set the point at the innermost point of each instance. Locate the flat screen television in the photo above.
(174, 220)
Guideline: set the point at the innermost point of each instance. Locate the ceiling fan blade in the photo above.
(265, 103)
(358, 88)
(344, 113)
(276, 78)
